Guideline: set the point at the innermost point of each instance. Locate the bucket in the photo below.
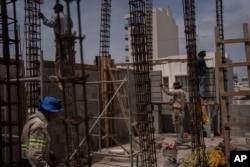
(247, 138)
(170, 158)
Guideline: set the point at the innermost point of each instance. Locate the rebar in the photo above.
(219, 23)
(11, 110)
(223, 100)
(71, 85)
(141, 53)
(32, 37)
(149, 31)
(105, 28)
(197, 139)
(106, 89)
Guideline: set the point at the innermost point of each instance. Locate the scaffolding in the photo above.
(75, 105)
(223, 65)
(112, 91)
(227, 121)
(103, 61)
(10, 91)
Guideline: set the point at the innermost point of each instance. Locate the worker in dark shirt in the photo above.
(201, 67)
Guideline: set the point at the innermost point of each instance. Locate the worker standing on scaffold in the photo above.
(62, 25)
(202, 67)
(179, 100)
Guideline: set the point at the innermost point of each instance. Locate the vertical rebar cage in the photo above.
(196, 124)
(103, 63)
(105, 28)
(10, 117)
(75, 106)
(142, 66)
(32, 31)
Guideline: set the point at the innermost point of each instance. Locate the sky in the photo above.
(235, 13)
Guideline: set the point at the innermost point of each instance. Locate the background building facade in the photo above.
(165, 34)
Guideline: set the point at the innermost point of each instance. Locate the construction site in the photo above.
(114, 113)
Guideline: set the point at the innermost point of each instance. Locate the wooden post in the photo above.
(223, 93)
(247, 48)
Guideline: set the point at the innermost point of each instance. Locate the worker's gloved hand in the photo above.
(40, 15)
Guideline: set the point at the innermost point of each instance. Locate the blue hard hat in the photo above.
(50, 104)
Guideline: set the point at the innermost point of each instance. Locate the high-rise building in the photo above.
(165, 34)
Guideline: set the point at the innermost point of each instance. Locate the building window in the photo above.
(166, 82)
(126, 48)
(126, 26)
(183, 81)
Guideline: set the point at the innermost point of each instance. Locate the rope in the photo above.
(214, 158)
(193, 160)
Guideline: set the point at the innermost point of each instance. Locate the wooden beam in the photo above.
(236, 64)
(230, 124)
(247, 47)
(241, 93)
(228, 41)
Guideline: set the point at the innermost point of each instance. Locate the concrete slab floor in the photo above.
(115, 159)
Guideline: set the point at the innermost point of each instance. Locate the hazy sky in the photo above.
(236, 12)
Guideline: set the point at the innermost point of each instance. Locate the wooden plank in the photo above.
(247, 47)
(228, 41)
(122, 98)
(112, 69)
(105, 99)
(223, 103)
(209, 103)
(241, 93)
(224, 106)
(161, 102)
(230, 124)
(162, 61)
(235, 64)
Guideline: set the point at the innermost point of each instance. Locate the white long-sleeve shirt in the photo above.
(53, 22)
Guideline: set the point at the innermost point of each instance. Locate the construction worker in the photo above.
(35, 137)
(178, 103)
(62, 25)
(201, 67)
